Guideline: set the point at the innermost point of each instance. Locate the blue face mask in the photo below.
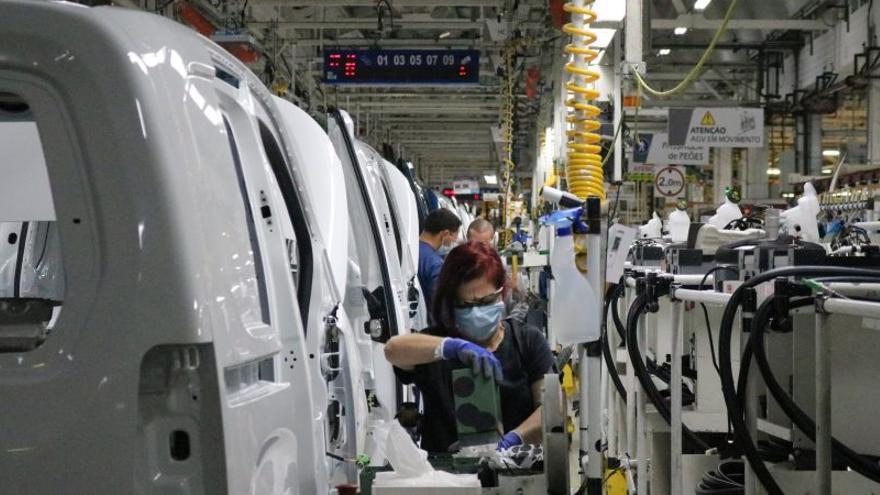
(479, 323)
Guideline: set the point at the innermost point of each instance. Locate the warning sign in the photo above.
(708, 119)
(734, 127)
(669, 182)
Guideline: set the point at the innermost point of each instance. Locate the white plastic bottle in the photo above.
(800, 221)
(727, 212)
(574, 309)
(679, 224)
(653, 229)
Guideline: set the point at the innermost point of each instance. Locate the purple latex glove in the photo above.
(510, 439)
(478, 358)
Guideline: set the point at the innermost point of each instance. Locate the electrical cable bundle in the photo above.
(733, 398)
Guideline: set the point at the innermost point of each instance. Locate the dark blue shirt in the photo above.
(430, 264)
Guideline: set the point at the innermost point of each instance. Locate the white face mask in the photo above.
(444, 248)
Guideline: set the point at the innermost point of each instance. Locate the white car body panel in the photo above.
(164, 327)
(373, 263)
(408, 219)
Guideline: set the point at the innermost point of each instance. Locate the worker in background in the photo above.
(470, 332)
(441, 229)
(515, 301)
(481, 230)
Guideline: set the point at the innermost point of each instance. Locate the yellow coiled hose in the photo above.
(584, 161)
(507, 111)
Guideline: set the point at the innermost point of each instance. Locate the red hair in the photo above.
(467, 262)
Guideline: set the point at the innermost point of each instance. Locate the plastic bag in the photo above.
(377, 436)
(411, 466)
(433, 479)
(407, 460)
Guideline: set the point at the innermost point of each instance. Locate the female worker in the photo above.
(470, 331)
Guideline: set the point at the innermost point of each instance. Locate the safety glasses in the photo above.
(483, 301)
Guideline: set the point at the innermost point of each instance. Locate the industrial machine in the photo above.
(673, 307)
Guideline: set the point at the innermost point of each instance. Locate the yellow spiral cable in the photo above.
(584, 162)
(507, 109)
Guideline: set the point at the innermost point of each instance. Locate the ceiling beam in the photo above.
(451, 119)
(372, 3)
(451, 24)
(431, 111)
(407, 42)
(677, 76)
(432, 132)
(439, 104)
(429, 95)
(698, 22)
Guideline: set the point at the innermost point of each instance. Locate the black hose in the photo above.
(728, 479)
(606, 349)
(801, 419)
(641, 372)
(620, 289)
(734, 409)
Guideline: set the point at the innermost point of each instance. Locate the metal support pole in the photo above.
(606, 410)
(752, 408)
(757, 184)
(722, 172)
(874, 122)
(851, 307)
(710, 297)
(618, 114)
(675, 424)
(591, 415)
(823, 404)
(634, 28)
(641, 420)
(631, 393)
(591, 380)
(612, 400)
(814, 144)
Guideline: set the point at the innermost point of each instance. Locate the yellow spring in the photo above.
(584, 162)
(507, 111)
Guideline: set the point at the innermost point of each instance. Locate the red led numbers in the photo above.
(350, 69)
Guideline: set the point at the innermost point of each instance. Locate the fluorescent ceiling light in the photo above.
(774, 172)
(831, 153)
(664, 51)
(444, 35)
(701, 4)
(680, 31)
(826, 170)
(609, 10)
(603, 37)
(491, 179)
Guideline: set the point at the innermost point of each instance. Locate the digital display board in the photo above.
(401, 66)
